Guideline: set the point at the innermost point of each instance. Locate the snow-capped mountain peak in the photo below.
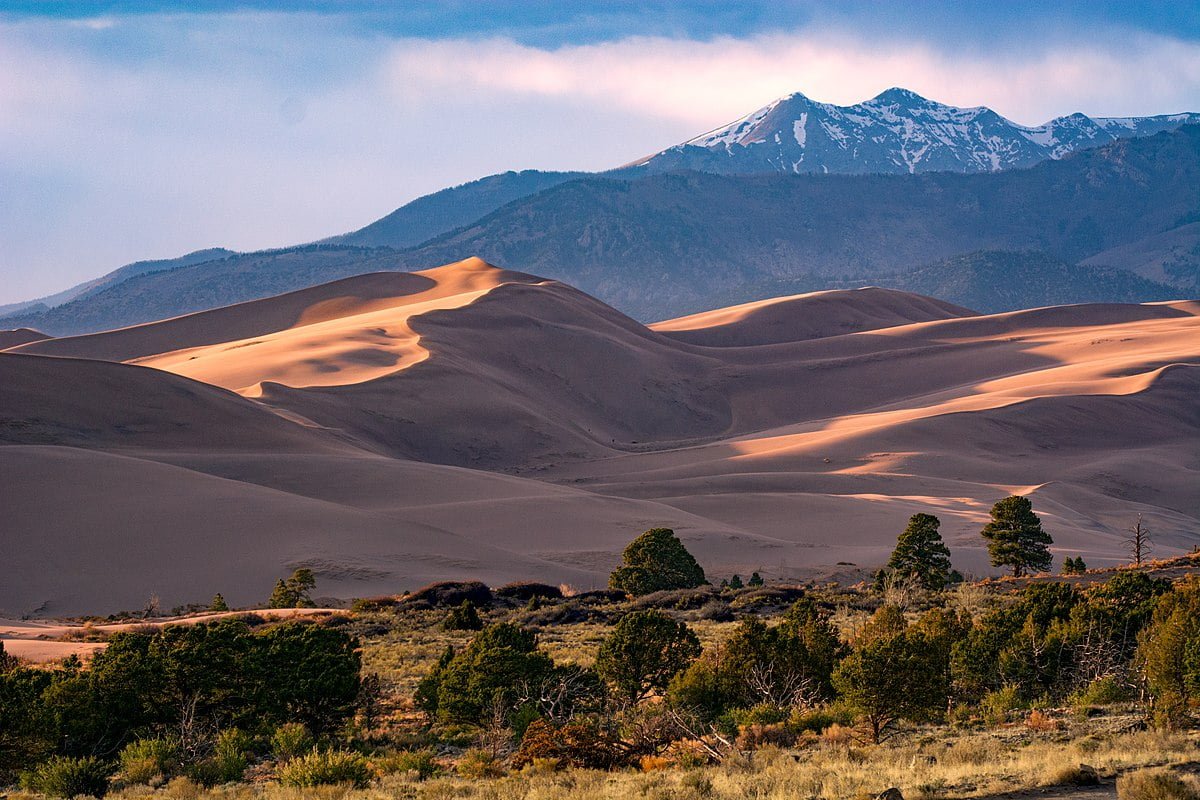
(896, 131)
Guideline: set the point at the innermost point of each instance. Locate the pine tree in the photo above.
(736, 582)
(218, 603)
(755, 580)
(293, 592)
(464, 618)
(282, 596)
(920, 552)
(644, 651)
(656, 561)
(1015, 537)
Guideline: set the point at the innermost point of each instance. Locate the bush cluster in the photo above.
(208, 677)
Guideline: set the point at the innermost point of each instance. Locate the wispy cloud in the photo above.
(704, 83)
(131, 137)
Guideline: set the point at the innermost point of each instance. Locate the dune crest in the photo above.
(20, 336)
(814, 315)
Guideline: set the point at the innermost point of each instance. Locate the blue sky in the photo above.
(146, 129)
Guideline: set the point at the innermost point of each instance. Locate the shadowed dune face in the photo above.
(19, 336)
(377, 415)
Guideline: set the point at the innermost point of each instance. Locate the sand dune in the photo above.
(242, 322)
(379, 415)
(20, 336)
(807, 316)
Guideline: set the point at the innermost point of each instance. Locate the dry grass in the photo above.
(1156, 785)
(927, 765)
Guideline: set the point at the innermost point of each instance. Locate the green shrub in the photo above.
(326, 767)
(291, 740)
(1154, 785)
(294, 592)
(228, 761)
(998, 706)
(464, 617)
(63, 776)
(818, 719)
(1101, 692)
(655, 561)
(479, 764)
(761, 714)
(422, 763)
(463, 686)
(148, 760)
(644, 651)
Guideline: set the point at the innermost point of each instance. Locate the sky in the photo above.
(135, 130)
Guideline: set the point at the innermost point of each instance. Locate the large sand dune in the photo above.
(468, 421)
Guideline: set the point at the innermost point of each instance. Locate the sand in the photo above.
(19, 336)
(469, 422)
(815, 315)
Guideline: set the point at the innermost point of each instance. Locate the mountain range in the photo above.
(898, 131)
(1109, 209)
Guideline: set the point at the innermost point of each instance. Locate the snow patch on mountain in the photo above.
(798, 129)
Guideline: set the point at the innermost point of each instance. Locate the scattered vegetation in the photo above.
(962, 689)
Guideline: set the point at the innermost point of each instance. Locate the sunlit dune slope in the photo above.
(807, 316)
(339, 332)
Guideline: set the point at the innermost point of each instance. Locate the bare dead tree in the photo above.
(716, 746)
(1138, 542)
(901, 590)
(781, 687)
(496, 736)
(196, 733)
(1098, 655)
(558, 695)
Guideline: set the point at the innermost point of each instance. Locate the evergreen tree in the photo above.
(644, 652)
(486, 674)
(921, 553)
(656, 561)
(1015, 537)
(1169, 654)
(901, 675)
(736, 582)
(218, 603)
(755, 580)
(293, 592)
(465, 618)
(281, 596)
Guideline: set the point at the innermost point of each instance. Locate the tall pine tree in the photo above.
(921, 553)
(1015, 537)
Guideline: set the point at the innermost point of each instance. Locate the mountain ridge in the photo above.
(144, 291)
(897, 131)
